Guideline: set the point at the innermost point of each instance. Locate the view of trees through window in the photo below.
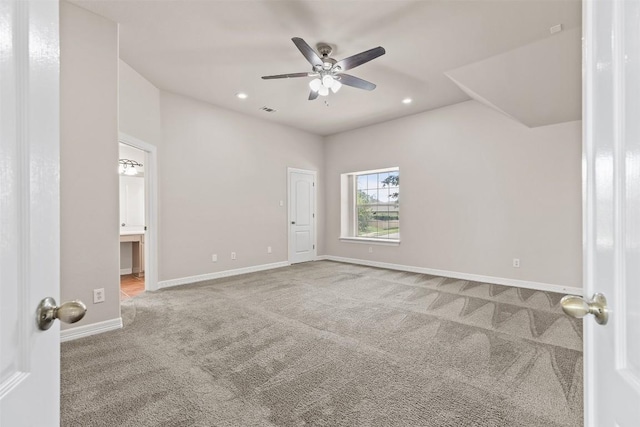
(377, 205)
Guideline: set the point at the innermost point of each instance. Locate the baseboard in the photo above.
(124, 271)
(322, 258)
(92, 329)
(220, 274)
(538, 286)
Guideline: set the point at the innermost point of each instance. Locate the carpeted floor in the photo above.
(330, 344)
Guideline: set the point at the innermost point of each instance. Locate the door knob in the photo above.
(293, 222)
(69, 312)
(577, 307)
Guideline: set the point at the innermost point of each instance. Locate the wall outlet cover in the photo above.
(98, 295)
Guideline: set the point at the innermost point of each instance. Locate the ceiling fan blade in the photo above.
(313, 95)
(360, 58)
(287, 76)
(349, 80)
(307, 51)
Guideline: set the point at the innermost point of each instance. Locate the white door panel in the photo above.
(612, 210)
(132, 201)
(303, 242)
(29, 211)
(302, 206)
(302, 219)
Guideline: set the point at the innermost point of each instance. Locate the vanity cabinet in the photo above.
(137, 248)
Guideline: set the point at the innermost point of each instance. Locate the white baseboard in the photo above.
(92, 329)
(220, 274)
(124, 271)
(538, 286)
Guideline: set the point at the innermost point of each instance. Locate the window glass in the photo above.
(377, 205)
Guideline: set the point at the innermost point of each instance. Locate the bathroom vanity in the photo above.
(136, 238)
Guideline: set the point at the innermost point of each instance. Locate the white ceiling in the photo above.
(538, 84)
(210, 50)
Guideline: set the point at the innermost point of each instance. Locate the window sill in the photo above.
(370, 241)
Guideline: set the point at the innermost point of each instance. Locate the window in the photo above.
(371, 205)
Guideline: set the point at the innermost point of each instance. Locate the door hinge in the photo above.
(314, 215)
(314, 246)
(314, 184)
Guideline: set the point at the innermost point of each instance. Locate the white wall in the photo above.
(88, 161)
(477, 190)
(222, 175)
(139, 106)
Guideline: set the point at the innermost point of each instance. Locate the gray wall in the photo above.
(88, 159)
(477, 190)
(222, 175)
(139, 106)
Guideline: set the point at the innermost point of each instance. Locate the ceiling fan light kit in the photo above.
(327, 72)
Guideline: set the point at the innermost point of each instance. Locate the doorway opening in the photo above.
(138, 225)
(132, 220)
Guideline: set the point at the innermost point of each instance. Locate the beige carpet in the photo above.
(330, 344)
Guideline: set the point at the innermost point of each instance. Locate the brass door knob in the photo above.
(69, 312)
(577, 307)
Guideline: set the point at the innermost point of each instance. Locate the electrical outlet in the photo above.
(370, 249)
(555, 29)
(98, 295)
(281, 202)
(233, 255)
(268, 249)
(516, 263)
(214, 258)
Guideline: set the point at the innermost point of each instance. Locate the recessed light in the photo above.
(242, 95)
(407, 101)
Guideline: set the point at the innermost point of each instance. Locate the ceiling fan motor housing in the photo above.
(324, 49)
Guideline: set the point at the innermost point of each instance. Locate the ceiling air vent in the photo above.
(268, 110)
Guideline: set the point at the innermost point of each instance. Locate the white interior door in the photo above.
(302, 221)
(132, 201)
(29, 211)
(612, 210)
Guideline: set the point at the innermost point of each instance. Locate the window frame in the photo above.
(349, 212)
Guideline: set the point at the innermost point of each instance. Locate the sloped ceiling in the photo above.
(537, 84)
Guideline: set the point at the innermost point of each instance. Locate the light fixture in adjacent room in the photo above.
(241, 95)
(128, 167)
(407, 101)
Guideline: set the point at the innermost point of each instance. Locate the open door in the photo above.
(29, 212)
(611, 162)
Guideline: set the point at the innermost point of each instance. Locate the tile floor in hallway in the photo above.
(130, 286)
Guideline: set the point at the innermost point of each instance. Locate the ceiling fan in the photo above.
(329, 73)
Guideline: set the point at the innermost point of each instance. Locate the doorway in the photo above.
(302, 215)
(132, 220)
(138, 229)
